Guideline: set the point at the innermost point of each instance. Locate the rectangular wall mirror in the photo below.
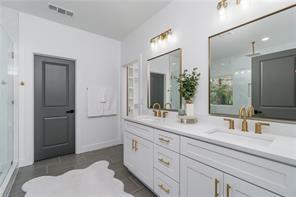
(255, 64)
(162, 82)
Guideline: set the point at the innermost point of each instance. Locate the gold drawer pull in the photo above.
(136, 145)
(164, 140)
(164, 189)
(228, 187)
(133, 144)
(167, 163)
(216, 188)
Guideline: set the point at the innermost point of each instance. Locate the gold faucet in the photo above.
(157, 111)
(244, 114)
(164, 113)
(231, 123)
(258, 127)
(250, 111)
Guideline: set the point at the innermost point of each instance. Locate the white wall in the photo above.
(97, 63)
(192, 23)
(9, 22)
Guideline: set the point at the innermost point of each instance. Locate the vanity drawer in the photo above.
(167, 140)
(164, 186)
(273, 176)
(167, 162)
(140, 130)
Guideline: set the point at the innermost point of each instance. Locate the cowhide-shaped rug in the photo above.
(95, 181)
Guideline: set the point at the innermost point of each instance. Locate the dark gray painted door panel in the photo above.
(56, 84)
(274, 85)
(54, 118)
(157, 83)
(278, 82)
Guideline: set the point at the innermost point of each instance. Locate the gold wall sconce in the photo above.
(223, 4)
(161, 38)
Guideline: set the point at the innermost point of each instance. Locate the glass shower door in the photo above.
(6, 104)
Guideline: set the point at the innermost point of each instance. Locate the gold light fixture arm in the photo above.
(164, 35)
(222, 4)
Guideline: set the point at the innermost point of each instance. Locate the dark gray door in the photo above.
(274, 85)
(157, 82)
(54, 118)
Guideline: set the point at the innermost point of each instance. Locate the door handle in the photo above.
(258, 112)
(72, 111)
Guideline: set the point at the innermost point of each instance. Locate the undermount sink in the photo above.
(246, 138)
(148, 119)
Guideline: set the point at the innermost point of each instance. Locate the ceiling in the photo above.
(111, 18)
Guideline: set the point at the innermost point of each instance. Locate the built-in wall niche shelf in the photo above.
(132, 88)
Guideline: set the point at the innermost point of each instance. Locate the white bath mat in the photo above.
(95, 181)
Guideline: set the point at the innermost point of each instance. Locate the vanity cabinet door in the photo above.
(199, 180)
(138, 157)
(129, 152)
(234, 187)
(144, 163)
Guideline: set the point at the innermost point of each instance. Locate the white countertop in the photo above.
(274, 147)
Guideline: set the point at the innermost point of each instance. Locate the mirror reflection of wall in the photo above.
(163, 86)
(255, 64)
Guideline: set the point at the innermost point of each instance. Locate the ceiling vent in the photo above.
(60, 10)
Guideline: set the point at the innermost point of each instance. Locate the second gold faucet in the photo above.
(244, 114)
(157, 111)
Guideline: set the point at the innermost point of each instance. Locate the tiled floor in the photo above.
(60, 165)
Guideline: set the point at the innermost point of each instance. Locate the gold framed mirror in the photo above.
(254, 64)
(162, 85)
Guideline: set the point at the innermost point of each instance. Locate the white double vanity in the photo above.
(203, 160)
(251, 73)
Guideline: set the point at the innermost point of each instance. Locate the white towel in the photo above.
(95, 99)
(110, 107)
(101, 101)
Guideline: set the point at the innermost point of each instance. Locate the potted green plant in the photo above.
(188, 83)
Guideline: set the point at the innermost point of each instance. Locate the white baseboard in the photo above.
(83, 149)
(25, 163)
(97, 146)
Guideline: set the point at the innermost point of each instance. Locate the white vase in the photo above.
(189, 109)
